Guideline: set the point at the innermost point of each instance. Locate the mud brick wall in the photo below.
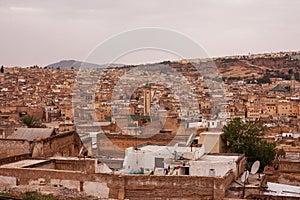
(149, 187)
(128, 186)
(16, 158)
(87, 166)
(289, 167)
(14, 147)
(65, 144)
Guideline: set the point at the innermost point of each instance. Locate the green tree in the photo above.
(31, 122)
(246, 137)
(2, 69)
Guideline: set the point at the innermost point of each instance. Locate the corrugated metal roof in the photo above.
(31, 133)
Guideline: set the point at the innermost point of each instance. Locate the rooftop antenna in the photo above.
(175, 152)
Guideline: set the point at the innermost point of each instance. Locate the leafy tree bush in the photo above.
(246, 138)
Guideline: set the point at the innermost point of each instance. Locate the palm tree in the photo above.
(31, 122)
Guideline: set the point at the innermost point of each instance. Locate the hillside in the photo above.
(67, 64)
(260, 67)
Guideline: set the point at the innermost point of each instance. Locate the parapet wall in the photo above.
(15, 158)
(122, 186)
(289, 166)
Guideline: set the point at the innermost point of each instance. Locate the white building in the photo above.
(152, 157)
(181, 161)
(217, 165)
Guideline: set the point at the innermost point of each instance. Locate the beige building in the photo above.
(212, 141)
(284, 109)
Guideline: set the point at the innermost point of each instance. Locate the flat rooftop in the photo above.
(211, 133)
(291, 157)
(218, 158)
(22, 163)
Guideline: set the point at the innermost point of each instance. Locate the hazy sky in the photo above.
(43, 32)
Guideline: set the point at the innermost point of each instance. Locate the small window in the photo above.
(159, 162)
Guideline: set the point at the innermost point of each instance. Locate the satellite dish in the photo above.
(190, 140)
(245, 176)
(255, 167)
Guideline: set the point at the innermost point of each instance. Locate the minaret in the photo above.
(147, 100)
(292, 84)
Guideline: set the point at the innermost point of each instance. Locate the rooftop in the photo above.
(22, 163)
(31, 134)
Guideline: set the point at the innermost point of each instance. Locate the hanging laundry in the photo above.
(173, 169)
(165, 171)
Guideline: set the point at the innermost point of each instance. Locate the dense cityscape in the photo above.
(55, 112)
(163, 100)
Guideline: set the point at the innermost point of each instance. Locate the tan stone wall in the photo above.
(290, 167)
(14, 147)
(128, 186)
(87, 166)
(65, 144)
(16, 158)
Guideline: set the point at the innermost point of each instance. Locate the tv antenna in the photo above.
(174, 153)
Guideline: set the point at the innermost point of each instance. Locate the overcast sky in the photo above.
(43, 32)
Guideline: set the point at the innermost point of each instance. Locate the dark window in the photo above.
(159, 162)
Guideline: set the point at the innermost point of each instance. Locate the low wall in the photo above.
(87, 166)
(289, 166)
(14, 158)
(123, 186)
(84, 165)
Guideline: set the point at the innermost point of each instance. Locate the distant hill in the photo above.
(260, 68)
(254, 67)
(67, 64)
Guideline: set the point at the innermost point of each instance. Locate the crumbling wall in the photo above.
(65, 144)
(125, 186)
